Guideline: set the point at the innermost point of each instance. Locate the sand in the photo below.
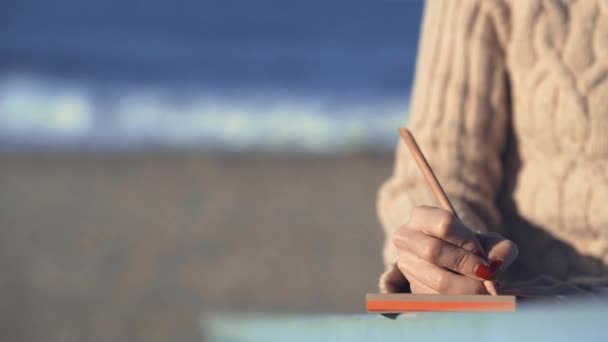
(135, 247)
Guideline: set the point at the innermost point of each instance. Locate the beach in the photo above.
(137, 246)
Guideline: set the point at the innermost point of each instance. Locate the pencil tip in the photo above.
(490, 288)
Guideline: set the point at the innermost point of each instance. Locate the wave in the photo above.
(59, 114)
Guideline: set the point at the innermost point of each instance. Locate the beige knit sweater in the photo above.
(510, 105)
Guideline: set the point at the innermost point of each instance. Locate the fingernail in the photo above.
(495, 265)
(479, 253)
(484, 272)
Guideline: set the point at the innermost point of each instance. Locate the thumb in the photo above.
(500, 251)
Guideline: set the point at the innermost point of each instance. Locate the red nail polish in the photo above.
(495, 265)
(484, 272)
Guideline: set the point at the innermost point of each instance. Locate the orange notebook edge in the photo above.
(398, 303)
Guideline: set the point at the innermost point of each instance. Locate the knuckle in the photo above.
(430, 251)
(404, 230)
(400, 236)
(395, 239)
(445, 223)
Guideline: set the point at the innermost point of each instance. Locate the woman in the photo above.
(510, 106)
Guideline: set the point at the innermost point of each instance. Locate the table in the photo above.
(574, 320)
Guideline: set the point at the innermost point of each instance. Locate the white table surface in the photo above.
(578, 320)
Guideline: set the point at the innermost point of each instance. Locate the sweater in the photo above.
(510, 106)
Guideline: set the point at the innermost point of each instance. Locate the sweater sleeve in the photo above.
(459, 116)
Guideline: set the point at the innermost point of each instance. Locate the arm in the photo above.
(459, 115)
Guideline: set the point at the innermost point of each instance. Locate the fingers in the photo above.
(443, 225)
(441, 253)
(429, 278)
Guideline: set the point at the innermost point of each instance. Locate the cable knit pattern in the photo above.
(510, 105)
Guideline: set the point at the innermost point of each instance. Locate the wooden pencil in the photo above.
(434, 184)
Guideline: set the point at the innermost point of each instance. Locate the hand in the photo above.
(438, 254)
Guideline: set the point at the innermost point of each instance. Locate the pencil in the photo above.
(437, 189)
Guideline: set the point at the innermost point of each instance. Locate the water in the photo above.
(234, 75)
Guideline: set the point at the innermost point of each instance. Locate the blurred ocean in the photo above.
(218, 75)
